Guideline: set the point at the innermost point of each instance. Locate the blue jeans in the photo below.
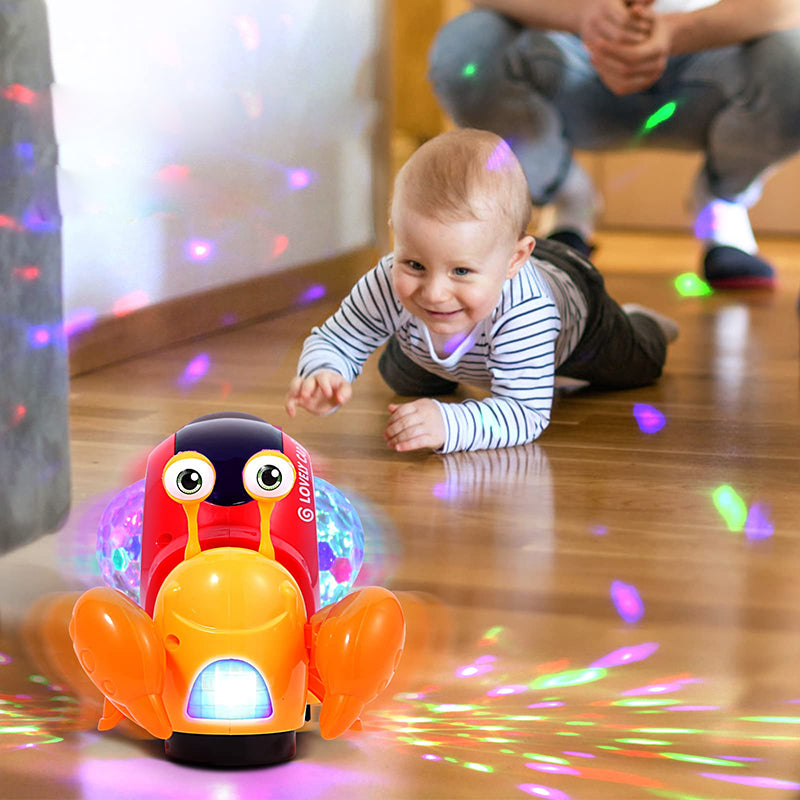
(740, 104)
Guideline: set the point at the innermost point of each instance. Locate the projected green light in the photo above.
(714, 762)
(661, 115)
(690, 285)
(732, 508)
(469, 69)
(572, 677)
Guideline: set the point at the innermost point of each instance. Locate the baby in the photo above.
(468, 296)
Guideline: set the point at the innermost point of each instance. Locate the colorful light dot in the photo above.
(299, 178)
(648, 418)
(626, 655)
(660, 115)
(39, 336)
(469, 69)
(199, 250)
(547, 792)
(758, 524)
(731, 507)
(130, 302)
(573, 677)
(195, 369)
(279, 245)
(690, 285)
(315, 292)
(501, 691)
(627, 601)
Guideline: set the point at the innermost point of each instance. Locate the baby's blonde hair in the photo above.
(466, 174)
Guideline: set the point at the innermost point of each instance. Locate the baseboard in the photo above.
(114, 339)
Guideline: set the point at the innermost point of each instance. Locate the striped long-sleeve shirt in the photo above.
(512, 353)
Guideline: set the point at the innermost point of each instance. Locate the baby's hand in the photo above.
(320, 394)
(415, 425)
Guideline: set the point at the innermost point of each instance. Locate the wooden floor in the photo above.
(585, 623)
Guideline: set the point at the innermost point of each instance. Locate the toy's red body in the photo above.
(294, 530)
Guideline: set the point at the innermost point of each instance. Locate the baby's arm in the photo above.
(334, 353)
(320, 393)
(521, 362)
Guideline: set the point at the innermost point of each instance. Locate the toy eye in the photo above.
(189, 477)
(268, 475)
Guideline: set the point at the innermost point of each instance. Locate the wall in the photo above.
(208, 142)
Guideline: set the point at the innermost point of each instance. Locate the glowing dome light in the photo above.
(340, 538)
(119, 540)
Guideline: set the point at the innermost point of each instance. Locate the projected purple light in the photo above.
(80, 319)
(199, 249)
(195, 369)
(500, 156)
(445, 491)
(759, 524)
(761, 783)
(625, 655)
(649, 419)
(313, 293)
(39, 336)
(627, 601)
(299, 179)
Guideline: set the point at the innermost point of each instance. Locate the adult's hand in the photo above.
(626, 68)
(611, 23)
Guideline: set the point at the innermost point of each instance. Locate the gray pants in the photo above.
(740, 105)
(617, 350)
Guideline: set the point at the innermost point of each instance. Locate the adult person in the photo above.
(719, 76)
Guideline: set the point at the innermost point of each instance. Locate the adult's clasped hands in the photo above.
(628, 43)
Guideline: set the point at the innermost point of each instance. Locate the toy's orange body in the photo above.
(230, 649)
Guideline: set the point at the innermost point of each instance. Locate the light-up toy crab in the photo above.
(222, 644)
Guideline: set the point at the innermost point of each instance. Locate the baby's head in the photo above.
(460, 208)
(466, 174)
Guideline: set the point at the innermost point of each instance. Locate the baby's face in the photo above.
(450, 274)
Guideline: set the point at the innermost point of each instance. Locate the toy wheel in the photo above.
(222, 750)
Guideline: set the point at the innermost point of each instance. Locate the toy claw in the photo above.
(356, 646)
(117, 645)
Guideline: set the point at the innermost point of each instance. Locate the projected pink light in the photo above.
(279, 245)
(625, 655)
(248, 31)
(173, 173)
(199, 249)
(130, 302)
(501, 154)
(299, 179)
(546, 792)
(627, 601)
